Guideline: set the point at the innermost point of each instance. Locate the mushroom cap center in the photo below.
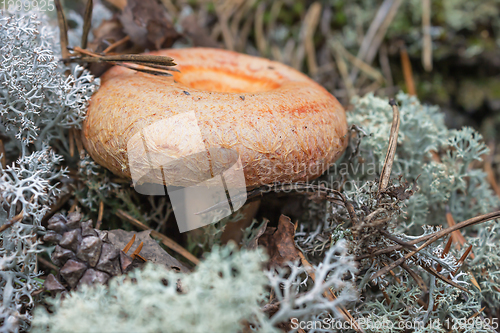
(223, 80)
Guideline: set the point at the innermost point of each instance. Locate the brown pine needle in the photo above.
(2, 153)
(462, 259)
(63, 29)
(447, 247)
(393, 274)
(407, 72)
(150, 64)
(73, 207)
(391, 150)
(116, 44)
(445, 252)
(474, 281)
(434, 237)
(457, 236)
(87, 22)
(137, 251)
(477, 313)
(47, 263)
(444, 279)
(78, 140)
(490, 175)
(71, 143)
(171, 244)
(415, 276)
(134, 58)
(129, 244)
(10, 223)
(427, 39)
(99, 217)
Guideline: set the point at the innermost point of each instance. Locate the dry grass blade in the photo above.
(330, 295)
(372, 31)
(134, 58)
(56, 207)
(457, 236)
(379, 36)
(376, 33)
(63, 29)
(490, 174)
(120, 4)
(223, 18)
(344, 73)
(363, 66)
(171, 244)
(391, 150)
(474, 281)
(99, 217)
(116, 44)
(444, 279)
(385, 65)
(311, 21)
(78, 140)
(477, 313)
(129, 244)
(2, 154)
(407, 72)
(87, 23)
(415, 276)
(445, 252)
(47, 263)
(150, 64)
(427, 40)
(12, 221)
(137, 250)
(462, 259)
(397, 240)
(260, 39)
(71, 140)
(434, 237)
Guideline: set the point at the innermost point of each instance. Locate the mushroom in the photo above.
(222, 109)
(283, 125)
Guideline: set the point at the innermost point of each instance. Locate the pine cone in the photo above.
(85, 254)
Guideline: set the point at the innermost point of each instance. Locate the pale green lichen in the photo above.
(227, 291)
(38, 104)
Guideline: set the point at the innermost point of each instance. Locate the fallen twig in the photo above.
(63, 29)
(87, 23)
(391, 150)
(434, 237)
(171, 244)
(12, 221)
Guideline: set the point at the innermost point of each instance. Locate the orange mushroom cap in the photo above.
(281, 124)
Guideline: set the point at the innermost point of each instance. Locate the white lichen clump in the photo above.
(38, 104)
(225, 293)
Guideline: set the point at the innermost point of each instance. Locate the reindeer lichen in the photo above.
(38, 104)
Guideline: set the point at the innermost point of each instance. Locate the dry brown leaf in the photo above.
(198, 35)
(151, 251)
(146, 22)
(279, 243)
